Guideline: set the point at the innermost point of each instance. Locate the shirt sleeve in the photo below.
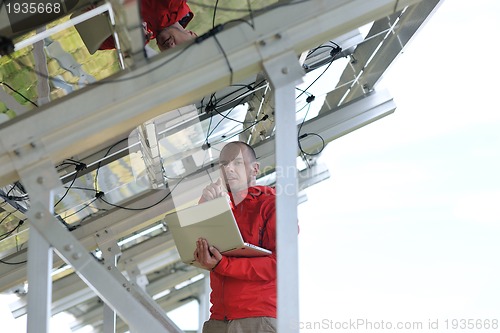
(252, 269)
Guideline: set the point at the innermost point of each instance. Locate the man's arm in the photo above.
(256, 268)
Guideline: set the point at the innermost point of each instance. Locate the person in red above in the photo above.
(164, 20)
(243, 293)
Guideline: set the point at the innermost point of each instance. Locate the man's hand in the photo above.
(214, 190)
(207, 256)
(147, 34)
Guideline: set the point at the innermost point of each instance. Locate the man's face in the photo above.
(172, 36)
(236, 168)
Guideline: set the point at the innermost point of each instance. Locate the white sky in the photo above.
(408, 226)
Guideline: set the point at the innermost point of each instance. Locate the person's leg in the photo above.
(215, 326)
(253, 325)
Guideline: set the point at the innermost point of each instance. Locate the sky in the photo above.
(406, 230)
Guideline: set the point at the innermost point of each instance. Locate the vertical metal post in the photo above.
(204, 303)
(39, 180)
(106, 241)
(109, 319)
(39, 283)
(283, 72)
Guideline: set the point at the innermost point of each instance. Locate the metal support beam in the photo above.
(39, 282)
(110, 250)
(170, 80)
(110, 285)
(43, 88)
(40, 179)
(284, 72)
(122, 222)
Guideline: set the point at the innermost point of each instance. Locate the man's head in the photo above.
(239, 166)
(172, 36)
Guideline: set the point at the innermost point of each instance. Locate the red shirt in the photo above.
(246, 287)
(159, 14)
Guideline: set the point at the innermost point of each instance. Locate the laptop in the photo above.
(214, 221)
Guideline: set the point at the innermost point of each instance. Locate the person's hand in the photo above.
(147, 34)
(214, 190)
(206, 255)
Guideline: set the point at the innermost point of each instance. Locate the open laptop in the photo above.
(214, 221)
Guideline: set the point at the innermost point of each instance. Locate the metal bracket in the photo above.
(106, 241)
(137, 277)
(284, 67)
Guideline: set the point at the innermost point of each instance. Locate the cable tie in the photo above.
(81, 166)
(99, 194)
(209, 108)
(212, 32)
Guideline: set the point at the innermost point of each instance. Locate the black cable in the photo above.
(13, 263)
(79, 166)
(99, 164)
(305, 116)
(250, 13)
(198, 40)
(67, 189)
(5, 218)
(215, 13)
(8, 233)
(227, 60)
(310, 99)
(218, 123)
(310, 53)
(81, 188)
(303, 91)
(246, 129)
(84, 206)
(213, 105)
(314, 134)
(8, 196)
(101, 197)
(208, 132)
(13, 197)
(245, 10)
(309, 86)
(70, 161)
(104, 81)
(17, 92)
(249, 87)
(240, 20)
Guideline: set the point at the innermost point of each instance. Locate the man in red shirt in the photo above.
(243, 289)
(164, 20)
